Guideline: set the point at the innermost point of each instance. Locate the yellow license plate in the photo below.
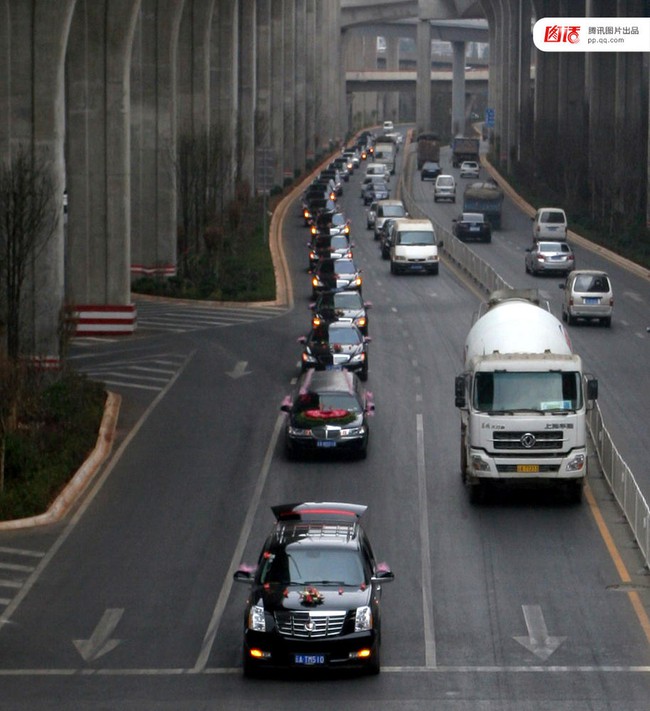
(527, 468)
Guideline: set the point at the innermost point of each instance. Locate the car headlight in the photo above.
(357, 281)
(358, 358)
(363, 619)
(307, 357)
(361, 322)
(257, 619)
(315, 281)
(298, 432)
(353, 431)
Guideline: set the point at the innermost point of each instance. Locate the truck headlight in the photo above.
(479, 465)
(363, 619)
(576, 464)
(256, 618)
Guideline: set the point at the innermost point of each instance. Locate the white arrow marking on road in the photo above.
(99, 642)
(538, 641)
(239, 370)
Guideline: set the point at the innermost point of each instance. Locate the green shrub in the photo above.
(53, 438)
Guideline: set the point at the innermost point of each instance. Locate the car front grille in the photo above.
(309, 625)
(552, 439)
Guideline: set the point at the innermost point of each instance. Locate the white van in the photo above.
(549, 223)
(444, 188)
(413, 246)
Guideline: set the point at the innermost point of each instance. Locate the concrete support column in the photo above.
(391, 98)
(277, 88)
(289, 24)
(458, 119)
(247, 46)
(224, 81)
(98, 135)
(423, 89)
(263, 80)
(524, 88)
(194, 67)
(337, 78)
(366, 53)
(493, 74)
(311, 87)
(301, 86)
(33, 37)
(153, 140)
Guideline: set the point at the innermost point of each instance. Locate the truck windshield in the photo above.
(527, 391)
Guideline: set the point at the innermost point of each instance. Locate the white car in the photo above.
(388, 126)
(469, 169)
(587, 295)
(444, 188)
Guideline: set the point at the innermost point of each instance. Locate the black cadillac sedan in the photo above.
(314, 600)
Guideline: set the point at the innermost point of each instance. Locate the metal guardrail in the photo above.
(620, 479)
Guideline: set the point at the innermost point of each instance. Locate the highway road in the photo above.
(524, 603)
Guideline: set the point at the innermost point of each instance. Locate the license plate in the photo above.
(474, 229)
(527, 468)
(592, 300)
(309, 660)
(326, 443)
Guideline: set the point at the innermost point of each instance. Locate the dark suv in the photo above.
(315, 593)
(328, 411)
(341, 306)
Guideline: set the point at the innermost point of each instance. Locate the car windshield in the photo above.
(344, 336)
(552, 217)
(347, 301)
(300, 564)
(527, 391)
(345, 268)
(339, 242)
(594, 283)
(417, 238)
(445, 182)
(554, 247)
(327, 401)
(338, 219)
(392, 211)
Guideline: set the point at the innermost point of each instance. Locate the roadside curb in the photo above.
(84, 474)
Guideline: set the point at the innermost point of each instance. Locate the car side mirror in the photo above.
(441, 244)
(244, 574)
(302, 340)
(367, 304)
(561, 286)
(367, 339)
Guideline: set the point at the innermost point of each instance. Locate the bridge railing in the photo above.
(618, 475)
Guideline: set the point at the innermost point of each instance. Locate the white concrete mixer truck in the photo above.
(523, 398)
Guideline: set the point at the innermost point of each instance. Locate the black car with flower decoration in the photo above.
(335, 345)
(328, 412)
(315, 593)
(332, 274)
(344, 306)
(323, 246)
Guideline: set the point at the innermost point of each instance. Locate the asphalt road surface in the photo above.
(526, 602)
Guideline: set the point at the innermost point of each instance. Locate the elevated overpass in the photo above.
(107, 93)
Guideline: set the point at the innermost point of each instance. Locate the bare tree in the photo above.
(203, 165)
(29, 212)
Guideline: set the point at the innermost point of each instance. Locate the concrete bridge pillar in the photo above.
(277, 88)
(311, 88)
(423, 88)
(247, 48)
(458, 118)
(391, 98)
(153, 140)
(98, 255)
(301, 87)
(224, 82)
(289, 74)
(264, 80)
(33, 39)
